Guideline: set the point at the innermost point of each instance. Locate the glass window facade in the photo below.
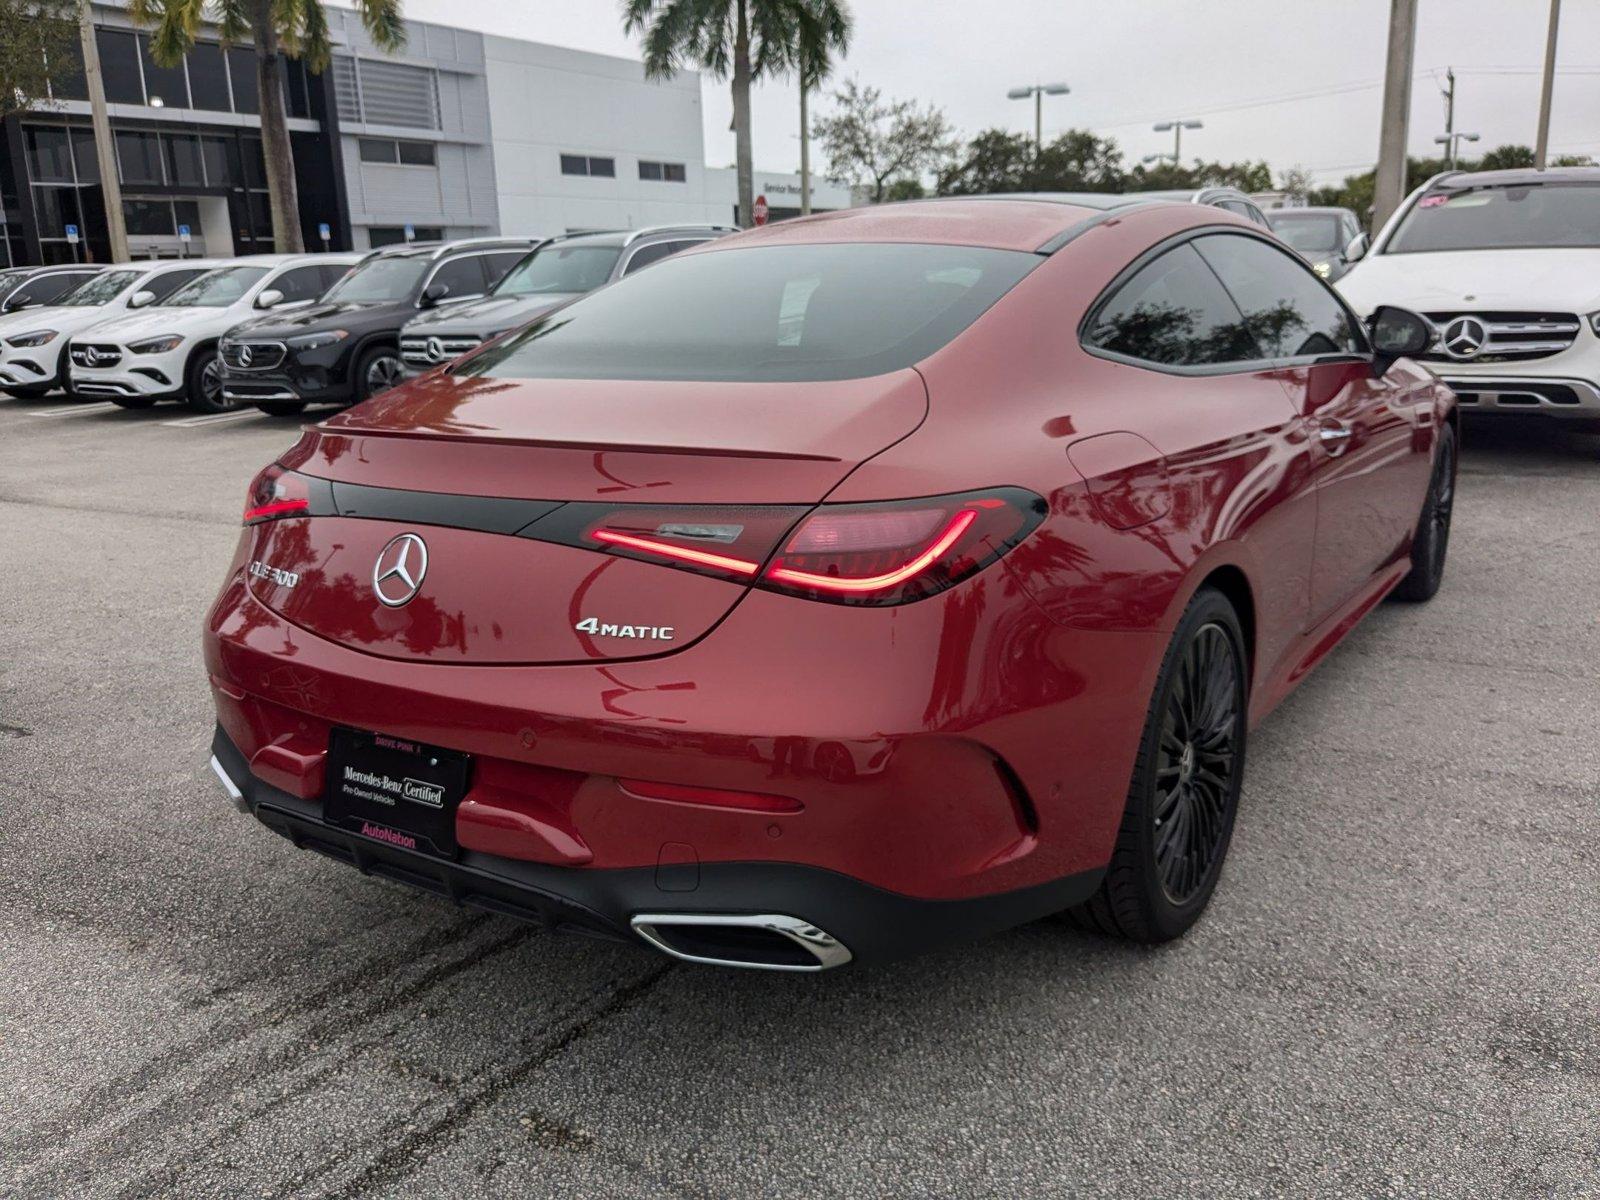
(169, 85)
(119, 66)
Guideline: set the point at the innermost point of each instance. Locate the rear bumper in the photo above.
(640, 904)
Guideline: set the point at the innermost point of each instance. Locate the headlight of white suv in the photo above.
(1594, 321)
(26, 341)
(157, 345)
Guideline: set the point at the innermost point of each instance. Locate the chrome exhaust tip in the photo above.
(229, 786)
(765, 942)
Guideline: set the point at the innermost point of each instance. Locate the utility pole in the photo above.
(1541, 149)
(805, 150)
(104, 148)
(1392, 136)
(1450, 117)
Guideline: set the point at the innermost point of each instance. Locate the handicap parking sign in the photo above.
(183, 233)
(72, 234)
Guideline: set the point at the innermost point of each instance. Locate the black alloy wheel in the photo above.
(1184, 795)
(1432, 540)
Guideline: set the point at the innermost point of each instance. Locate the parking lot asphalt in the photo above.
(1396, 991)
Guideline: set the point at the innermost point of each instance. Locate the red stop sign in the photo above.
(760, 213)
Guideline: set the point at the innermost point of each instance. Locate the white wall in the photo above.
(545, 101)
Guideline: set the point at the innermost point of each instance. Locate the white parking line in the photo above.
(72, 410)
(213, 419)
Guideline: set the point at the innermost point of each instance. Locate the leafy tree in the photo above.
(1504, 158)
(38, 45)
(996, 161)
(871, 141)
(1296, 182)
(905, 189)
(747, 39)
(276, 29)
(1246, 176)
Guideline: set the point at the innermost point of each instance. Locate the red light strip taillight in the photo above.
(711, 797)
(682, 553)
(875, 583)
(276, 508)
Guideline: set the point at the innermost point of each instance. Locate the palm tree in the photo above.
(749, 39)
(278, 29)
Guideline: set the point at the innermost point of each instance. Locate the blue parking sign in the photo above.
(325, 231)
(183, 233)
(72, 234)
(411, 233)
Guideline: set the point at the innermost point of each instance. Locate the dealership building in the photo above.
(460, 134)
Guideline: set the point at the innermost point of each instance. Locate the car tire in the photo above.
(1432, 540)
(203, 382)
(1171, 844)
(134, 402)
(281, 408)
(376, 365)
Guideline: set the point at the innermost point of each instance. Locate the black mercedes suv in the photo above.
(346, 347)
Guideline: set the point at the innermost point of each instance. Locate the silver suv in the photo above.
(556, 271)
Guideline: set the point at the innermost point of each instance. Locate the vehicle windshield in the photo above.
(1309, 233)
(10, 279)
(102, 289)
(557, 268)
(765, 313)
(217, 289)
(1520, 217)
(381, 281)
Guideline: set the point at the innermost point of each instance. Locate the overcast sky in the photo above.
(1248, 68)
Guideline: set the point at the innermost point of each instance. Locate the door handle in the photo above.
(1334, 437)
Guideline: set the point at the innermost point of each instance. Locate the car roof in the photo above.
(1002, 222)
(432, 250)
(630, 237)
(1519, 177)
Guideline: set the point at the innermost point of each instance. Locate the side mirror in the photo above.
(141, 298)
(1397, 333)
(1356, 248)
(434, 293)
(270, 298)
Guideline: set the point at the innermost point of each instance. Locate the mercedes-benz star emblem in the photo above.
(245, 355)
(435, 349)
(91, 356)
(1465, 337)
(400, 569)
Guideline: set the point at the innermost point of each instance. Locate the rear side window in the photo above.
(497, 264)
(646, 255)
(1175, 313)
(1290, 312)
(758, 313)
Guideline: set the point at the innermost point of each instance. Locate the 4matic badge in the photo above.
(660, 633)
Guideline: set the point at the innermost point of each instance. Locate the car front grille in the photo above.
(94, 354)
(431, 351)
(252, 356)
(1501, 336)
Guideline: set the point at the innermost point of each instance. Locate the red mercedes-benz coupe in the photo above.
(841, 589)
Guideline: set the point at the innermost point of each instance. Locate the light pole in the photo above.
(1038, 91)
(1451, 141)
(1177, 127)
(1547, 83)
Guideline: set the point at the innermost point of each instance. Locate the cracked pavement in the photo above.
(1396, 991)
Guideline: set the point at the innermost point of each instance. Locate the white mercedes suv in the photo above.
(1506, 264)
(169, 351)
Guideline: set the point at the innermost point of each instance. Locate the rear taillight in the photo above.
(883, 553)
(277, 493)
(896, 553)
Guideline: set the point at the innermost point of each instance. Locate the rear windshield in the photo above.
(217, 289)
(1312, 233)
(765, 313)
(1525, 217)
(557, 269)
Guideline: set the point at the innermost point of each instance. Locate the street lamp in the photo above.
(1038, 91)
(1177, 127)
(1452, 143)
